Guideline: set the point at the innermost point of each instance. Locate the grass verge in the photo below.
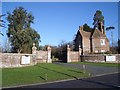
(0, 78)
(38, 74)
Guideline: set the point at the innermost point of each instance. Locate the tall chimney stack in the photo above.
(101, 27)
(81, 28)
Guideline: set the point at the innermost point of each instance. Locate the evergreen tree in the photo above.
(87, 28)
(20, 33)
(98, 18)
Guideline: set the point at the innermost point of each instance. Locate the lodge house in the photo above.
(94, 41)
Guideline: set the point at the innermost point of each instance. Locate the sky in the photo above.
(57, 21)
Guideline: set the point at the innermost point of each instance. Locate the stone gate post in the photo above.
(79, 53)
(68, 54)
(34, 49)
(49, 60)
(80, 50)
(34, 53)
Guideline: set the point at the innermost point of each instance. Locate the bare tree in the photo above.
(111, 29)
(2, 23)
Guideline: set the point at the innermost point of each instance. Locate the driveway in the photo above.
(92, 69)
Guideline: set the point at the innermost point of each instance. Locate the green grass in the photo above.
(36, 74)
(99, 64)
(0, 77)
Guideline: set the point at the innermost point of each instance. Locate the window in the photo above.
(102, 41)
(96, 51)
(102, 50)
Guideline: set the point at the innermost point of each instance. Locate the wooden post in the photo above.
(46, 77)
(84, 67)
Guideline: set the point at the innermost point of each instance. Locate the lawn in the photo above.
(99, 64)
(38, 74)
(0, 77)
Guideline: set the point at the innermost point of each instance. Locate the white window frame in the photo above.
(102, 50)
(96, 51)
(102, 41)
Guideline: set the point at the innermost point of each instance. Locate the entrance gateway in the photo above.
(42, 56)
(45, 56)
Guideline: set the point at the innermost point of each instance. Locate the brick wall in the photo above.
(92, 58)
(97, 47)
(41, 56)
(73, 56)
(99, 58)
(86, 45)
(8, 60)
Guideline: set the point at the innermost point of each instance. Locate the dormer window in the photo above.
(102, 42)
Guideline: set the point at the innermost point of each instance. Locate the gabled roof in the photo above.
(85, 33)
(97, 34)
(107, 39)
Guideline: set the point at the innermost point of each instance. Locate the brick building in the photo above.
(92, 41)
